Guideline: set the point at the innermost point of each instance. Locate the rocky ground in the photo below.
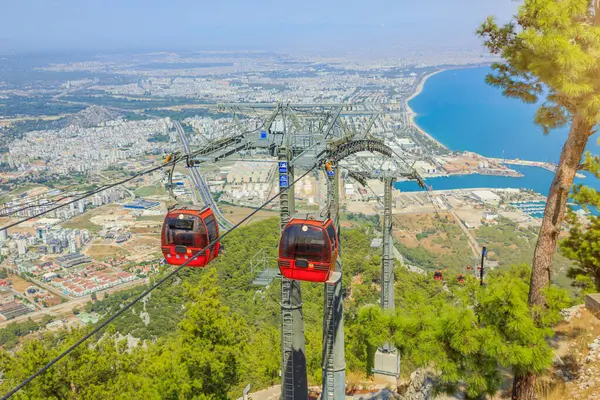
(576, 372)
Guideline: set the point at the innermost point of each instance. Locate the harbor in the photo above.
(534, 209)
(548, 166)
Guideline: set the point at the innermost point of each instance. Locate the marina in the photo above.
(534, 209)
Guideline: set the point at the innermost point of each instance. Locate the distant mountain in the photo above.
(91, 116)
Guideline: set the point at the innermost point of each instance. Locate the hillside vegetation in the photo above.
(431, 241)
(509, 244)
(209, 332)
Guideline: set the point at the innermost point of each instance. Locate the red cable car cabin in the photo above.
(186, 232)
(438, 276)
(308, 250)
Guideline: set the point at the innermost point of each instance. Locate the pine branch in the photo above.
(551, 117)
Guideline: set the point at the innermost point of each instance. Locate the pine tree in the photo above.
(583, 246)
(201, 361)
(467, 332)
(520, 341)
(583, 243)
(551, 50)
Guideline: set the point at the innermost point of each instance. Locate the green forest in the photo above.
(204, 333)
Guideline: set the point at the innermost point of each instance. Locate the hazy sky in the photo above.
(242, 24)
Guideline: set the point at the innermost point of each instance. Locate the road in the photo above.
(271, 393)
(200, 181)
(473, 244)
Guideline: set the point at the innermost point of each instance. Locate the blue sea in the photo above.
(461, 111)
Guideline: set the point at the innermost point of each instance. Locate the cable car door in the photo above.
(213, 235)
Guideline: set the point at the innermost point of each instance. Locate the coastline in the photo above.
(412, 114)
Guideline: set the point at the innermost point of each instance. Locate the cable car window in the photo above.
(186, 231)
(211, 226)
(332, 237)
(182, 224)
(311, 244)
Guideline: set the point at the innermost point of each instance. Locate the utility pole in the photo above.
(483, 254)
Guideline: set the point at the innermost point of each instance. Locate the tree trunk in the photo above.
(524, 387)
(597, 279)
(554, 213)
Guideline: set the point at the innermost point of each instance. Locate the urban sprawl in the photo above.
(107, 128)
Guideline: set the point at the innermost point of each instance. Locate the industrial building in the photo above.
(486, 197)
(13, 310)
(72, 260)
(140, 204)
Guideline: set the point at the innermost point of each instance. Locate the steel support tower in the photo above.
(294, 382)
(333, 358)
(387, 358)
(304, 136)
(387, 267)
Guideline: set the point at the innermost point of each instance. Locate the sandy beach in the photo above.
(412, 114)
